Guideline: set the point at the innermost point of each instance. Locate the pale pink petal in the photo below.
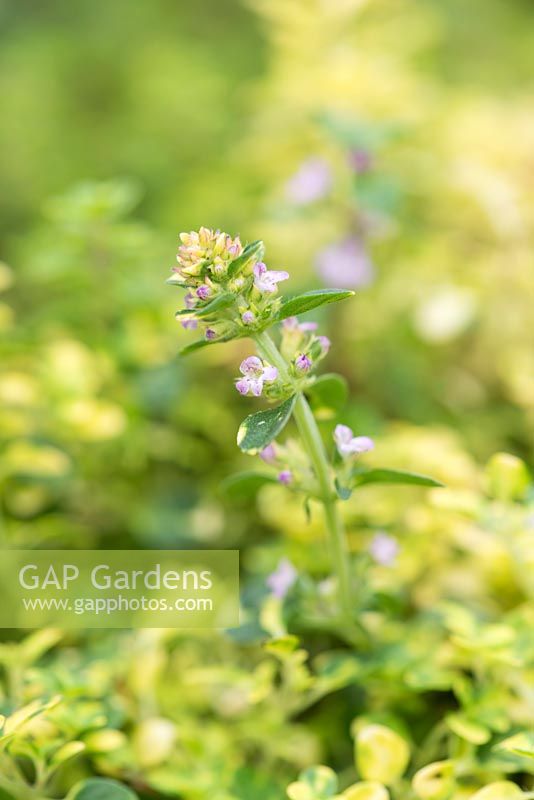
(251, 366)
(270, 374)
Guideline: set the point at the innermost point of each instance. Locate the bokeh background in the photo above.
(382, 145)
(387, 146)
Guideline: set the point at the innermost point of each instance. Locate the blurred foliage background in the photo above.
(123, 125)
(382, 145)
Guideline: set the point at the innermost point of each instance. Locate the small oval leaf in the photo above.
(361, 477)
(521, 743)
(366, 790)
(321, 780)
(245, 485)
(468, 729)
(310, 300)
(100, 789)
(67, 751)
(500, 790)
(198, 345)
(217, 304)
(258, 430)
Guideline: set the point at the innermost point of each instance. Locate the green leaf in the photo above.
(499, 790)
(26, 713)
(198, 345)
(321, 780)
(245, 484)
(253, 252)
(328, 395)
(66, 752)
(257, 430)
(366, 790)
(253, 782)
(336, 669)
(521, 743)
(282, 645)
(310, 300)
(468, 729)
(362, 477)
(217, 304)
(100, 789)
(36, 644)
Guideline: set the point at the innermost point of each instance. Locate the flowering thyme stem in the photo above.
(314, 445)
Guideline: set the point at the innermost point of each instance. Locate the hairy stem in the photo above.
(313, 443)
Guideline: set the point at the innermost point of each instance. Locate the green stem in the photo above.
(315, 448)
(338, 542)
(19, 791)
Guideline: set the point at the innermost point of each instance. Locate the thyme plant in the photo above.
(230, 293)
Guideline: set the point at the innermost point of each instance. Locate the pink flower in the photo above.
(348, 444)
(303, 363)
(282, 579)
(325, 343)
(360, 160)
(255, 374)
(285, 477)
(189, 323)
(345, 264)
(384, 549)
(248, 317)
(268, 454)
(203, 292)
(292, 324)
(311, 182)
(189, 300)
(267, 280)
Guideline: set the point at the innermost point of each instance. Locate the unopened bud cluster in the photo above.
(230, 292)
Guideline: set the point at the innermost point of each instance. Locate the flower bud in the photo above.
(507, 477)
(381, 753)
(285, 477)
(203, 292)
(236, 285)
(303, 363)
(435, 781)
(268, 454)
